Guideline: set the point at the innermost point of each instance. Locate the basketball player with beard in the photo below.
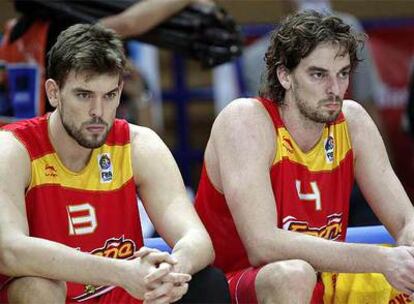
(279, 169)
(69, 220)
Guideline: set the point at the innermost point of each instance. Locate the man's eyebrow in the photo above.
(320, 69)
(347, 67)
(113, 90)
(81, 90)
(316, 69)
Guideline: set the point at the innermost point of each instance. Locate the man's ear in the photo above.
(283, 74)
(52, 92)
(121, 85)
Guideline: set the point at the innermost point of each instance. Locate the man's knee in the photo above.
(32, 289)
(295, 276)
(208, 286)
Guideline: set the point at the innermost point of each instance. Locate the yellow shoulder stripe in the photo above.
(49, 170)
(316, 159)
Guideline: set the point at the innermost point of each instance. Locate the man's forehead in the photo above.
(89, 76)
(326, 55)
(86, 79)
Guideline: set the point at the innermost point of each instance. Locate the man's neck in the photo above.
(70, 153)
(305, 132)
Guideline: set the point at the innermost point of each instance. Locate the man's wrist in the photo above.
(384, 258)
(121, 273)
(183, 264)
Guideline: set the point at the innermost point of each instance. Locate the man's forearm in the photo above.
(405, 236)
(322, 254)
(43, 258)
(193, 252)
(143, 16)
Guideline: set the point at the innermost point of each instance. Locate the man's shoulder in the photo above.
(26, 124)
(31, 132)
(353, 111)
(242, 110)
(7, 138)
(140, 133)
(358, 120)
(244, 120)
(242, 103)
(145, 142)
(11, 146)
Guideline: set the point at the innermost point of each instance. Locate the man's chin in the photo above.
(332, 115)
(335, 115)
(92, 143)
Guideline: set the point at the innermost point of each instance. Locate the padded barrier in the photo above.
(369, 235)
(157, 243)
(365, 234)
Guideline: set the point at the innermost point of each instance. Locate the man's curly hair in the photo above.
(297, 37)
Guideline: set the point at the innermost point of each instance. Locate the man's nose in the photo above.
(96, 109)
(333, 87)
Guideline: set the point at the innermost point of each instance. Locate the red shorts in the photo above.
(243, 290)
(242, 286)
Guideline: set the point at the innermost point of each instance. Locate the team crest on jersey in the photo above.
(329, 149)
(105, 167)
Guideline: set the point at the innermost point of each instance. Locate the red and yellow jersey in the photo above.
(312, 191)
(94, 210)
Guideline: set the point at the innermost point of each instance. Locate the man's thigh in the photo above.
(207, 286)
(117, 295)
(243, 289)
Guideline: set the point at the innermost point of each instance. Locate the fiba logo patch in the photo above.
(329, 149)
(104, 161)
(105, 167)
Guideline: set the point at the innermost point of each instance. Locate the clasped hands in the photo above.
(163, 283)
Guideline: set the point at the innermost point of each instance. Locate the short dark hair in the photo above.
(297, 37)
(85, 48)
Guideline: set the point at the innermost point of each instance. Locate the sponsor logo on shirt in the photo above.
(331, 231)
(50, 171)
(287, 144)
(117, 248)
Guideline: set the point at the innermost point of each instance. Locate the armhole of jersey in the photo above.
(25, 146)
(348, 133)
(209, 181)
(129, 142)
(273, 119)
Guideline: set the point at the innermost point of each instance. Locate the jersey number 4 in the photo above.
(81, 219)
(314, 196)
